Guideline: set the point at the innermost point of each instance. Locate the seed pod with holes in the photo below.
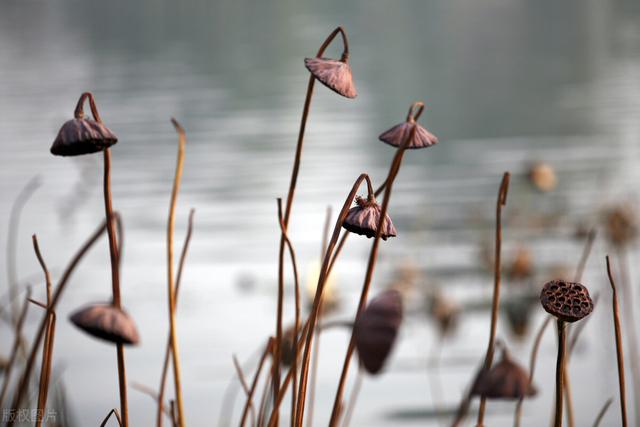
(376, 329)
(82, 135)
(363, 219)
(397, 134)
(106, 322)
(568, 301)
(505, 380)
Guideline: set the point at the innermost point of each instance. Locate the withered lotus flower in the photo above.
(568, 301)
(81, 135)
(106, 322)
(363, 219)
(422, 138)
(505, 380)
(376, 329)
(334, 74)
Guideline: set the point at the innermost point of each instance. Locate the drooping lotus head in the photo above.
(334, 74)
(376, 329)
(364, 218)
(568, 301)
(505, 380)
(82, 135)
(421, 138)
(106, 322)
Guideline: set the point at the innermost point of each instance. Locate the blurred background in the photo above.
(509, 85)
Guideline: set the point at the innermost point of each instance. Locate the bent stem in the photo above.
(373, 256)
(502, 201)
(26, 375)
(167, 352)
(313, 317)
(47, 353)
(562, 338)
(249, 403)
(170, 279)
(16, 346)
(290, 195)
(619, 351)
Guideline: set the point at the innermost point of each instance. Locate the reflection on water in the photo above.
(505, 83)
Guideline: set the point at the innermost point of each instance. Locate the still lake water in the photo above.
(505, 83)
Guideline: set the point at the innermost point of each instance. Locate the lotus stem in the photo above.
(170, 279)
(373, 256)
(167, 352)
(16, 346)
(115, 413)
(249, 403)
(562, 338)
(289, 201)
(619, 350)
(602, 412)
(495, 306)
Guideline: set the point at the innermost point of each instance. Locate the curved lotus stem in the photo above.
(415, 111)
(79, 111)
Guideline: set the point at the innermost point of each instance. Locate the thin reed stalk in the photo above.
(167, 352)
(602, 412)
(12, 243)
(290, 195)
(15, 348)
(26, 375)
(373, 256)
(47, 352)
(249, 403)
(245, 387)
(351, 405)
(619, 350)
(315, 358)
(182, 140)
(115, 413)
(495, 305)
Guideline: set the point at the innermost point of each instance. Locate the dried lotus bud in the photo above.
(81, 135)
(376, 329)
(505, 380)
(363, 219)
(568, 301)
(422, 138)
(106, 322)
(334, 74)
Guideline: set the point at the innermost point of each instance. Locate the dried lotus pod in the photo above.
(621, 225)
(287, 347)
(505, 380)
(422, 138)
(334, 74)
(543, 177)
(376, 329)
(568, 301)
(81, 135)
(106, 322)
(363, 219)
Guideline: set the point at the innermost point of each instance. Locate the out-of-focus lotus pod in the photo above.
(568, 301)
(422, 138)
(376, 329)
(621, 225)
(81, 135)
(444, 311)
(363, 219)
(543, 177)
(334, 74)
(330, 300)
(522, 265)
(106, 322)
(505, 380)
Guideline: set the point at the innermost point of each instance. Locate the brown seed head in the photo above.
(106, 322)
(363, 219)
(505, 380)
(397, 134)
(334, 74)
(376, 329)
(565, 300)
(81, 135)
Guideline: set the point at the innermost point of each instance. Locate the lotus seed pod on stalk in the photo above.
(363, 219)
